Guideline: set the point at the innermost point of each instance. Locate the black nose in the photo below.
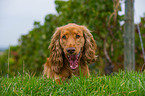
(70, 50)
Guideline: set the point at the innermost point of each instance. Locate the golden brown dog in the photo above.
(72, 46)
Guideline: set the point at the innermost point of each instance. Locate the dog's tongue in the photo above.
(73, 60)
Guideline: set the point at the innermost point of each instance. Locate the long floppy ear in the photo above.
(89, 46)
(56, 58)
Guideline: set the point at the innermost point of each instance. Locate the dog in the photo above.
(72, 48)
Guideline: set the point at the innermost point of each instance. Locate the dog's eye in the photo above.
(64, 37)
(77, 36)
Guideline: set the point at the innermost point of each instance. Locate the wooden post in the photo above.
(129, 44)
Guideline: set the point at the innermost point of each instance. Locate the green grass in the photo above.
(128, 84)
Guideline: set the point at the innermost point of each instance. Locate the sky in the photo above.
(17, 17)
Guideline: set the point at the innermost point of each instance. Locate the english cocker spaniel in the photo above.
(72, 47)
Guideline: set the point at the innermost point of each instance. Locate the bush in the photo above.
(97, 16)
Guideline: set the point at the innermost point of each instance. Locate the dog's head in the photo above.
(74, 42)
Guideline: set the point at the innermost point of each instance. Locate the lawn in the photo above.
(119, 84)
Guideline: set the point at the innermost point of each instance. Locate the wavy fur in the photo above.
(56, 58)
(89, 46)
(57, 65)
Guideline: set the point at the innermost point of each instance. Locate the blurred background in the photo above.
(26, 27)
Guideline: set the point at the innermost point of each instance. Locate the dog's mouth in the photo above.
(74, 60)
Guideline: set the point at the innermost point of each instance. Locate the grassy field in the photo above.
(128, 84)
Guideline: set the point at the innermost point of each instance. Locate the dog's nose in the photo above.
(71, 50)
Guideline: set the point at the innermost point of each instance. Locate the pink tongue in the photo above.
(73, 61)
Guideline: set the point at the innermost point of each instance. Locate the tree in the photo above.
(96, 16)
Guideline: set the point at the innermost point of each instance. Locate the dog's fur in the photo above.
(72, 46)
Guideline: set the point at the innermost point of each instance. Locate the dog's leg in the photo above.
(85, 70)
(46, 69)
(57, 79)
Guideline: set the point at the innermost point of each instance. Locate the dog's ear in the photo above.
(56, 54)
(89, 46)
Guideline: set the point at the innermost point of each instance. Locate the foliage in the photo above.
(10, 56)
(32, 51)
(33, 47)
(129, 83)
(138, 50)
